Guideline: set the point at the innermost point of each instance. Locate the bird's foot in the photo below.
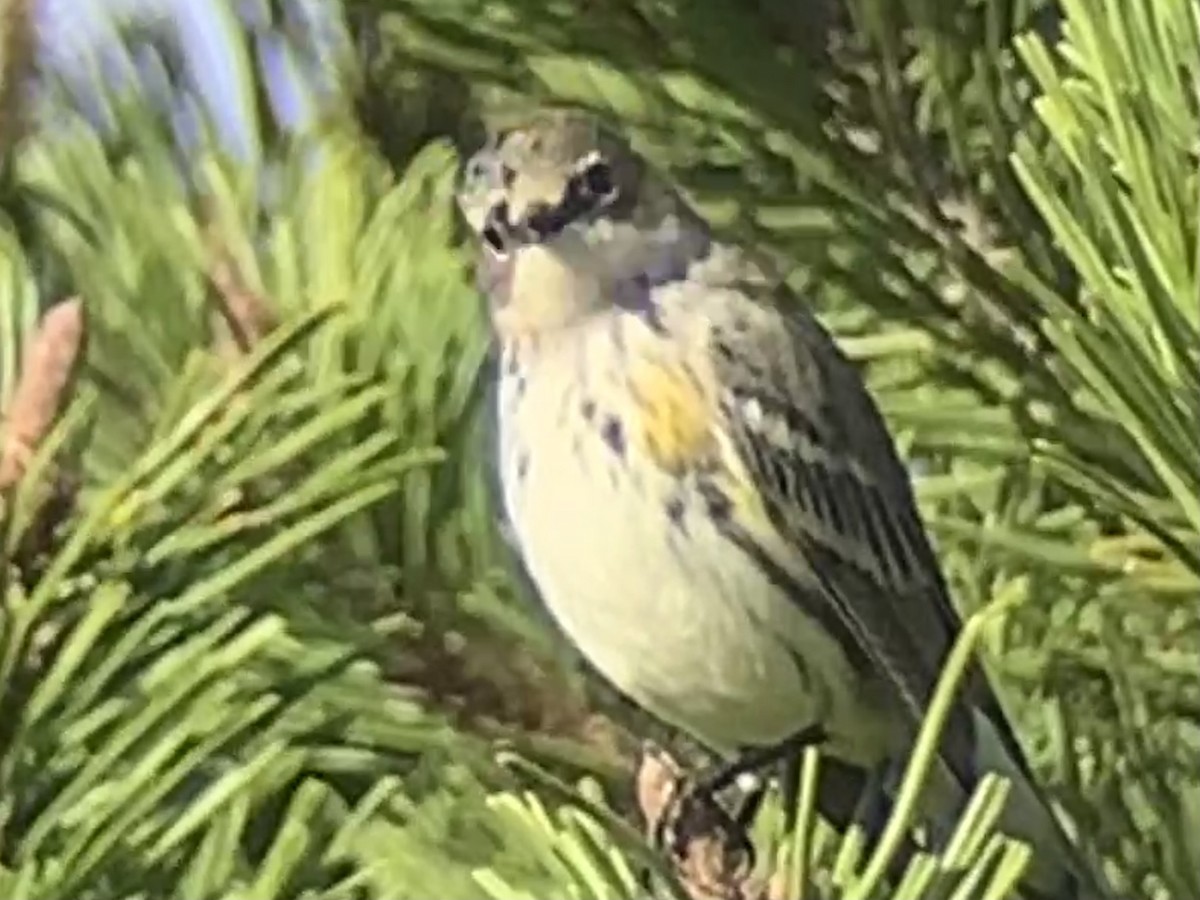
(684, 814)
(696, 824)
(754, 761)
(707, 847)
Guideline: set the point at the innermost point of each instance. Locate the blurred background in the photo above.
(259, 634)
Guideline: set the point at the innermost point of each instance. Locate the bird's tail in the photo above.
(1058, 869)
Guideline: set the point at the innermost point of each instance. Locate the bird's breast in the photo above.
(600, 467)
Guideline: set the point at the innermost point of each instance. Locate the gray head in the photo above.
(567, 216)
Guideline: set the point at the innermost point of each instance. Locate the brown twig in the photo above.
(51, 356)
(247, 313)
(17, 44)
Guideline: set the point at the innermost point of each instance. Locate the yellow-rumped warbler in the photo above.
(700, 486)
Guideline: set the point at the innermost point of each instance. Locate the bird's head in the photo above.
(566, 209)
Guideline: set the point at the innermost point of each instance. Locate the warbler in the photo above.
(701, 488)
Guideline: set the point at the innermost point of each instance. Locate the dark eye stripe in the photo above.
(591, 186)
(584, 193)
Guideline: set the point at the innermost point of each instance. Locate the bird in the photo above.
(701, 488)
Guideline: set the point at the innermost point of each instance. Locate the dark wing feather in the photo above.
(831, 483)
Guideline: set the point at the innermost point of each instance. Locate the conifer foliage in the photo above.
(259, 633)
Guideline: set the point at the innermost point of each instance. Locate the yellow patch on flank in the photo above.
(675, 428)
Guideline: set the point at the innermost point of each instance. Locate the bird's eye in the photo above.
(598, 179)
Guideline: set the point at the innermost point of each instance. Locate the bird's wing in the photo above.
(826, 502)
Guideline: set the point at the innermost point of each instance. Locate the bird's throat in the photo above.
(544, 292)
